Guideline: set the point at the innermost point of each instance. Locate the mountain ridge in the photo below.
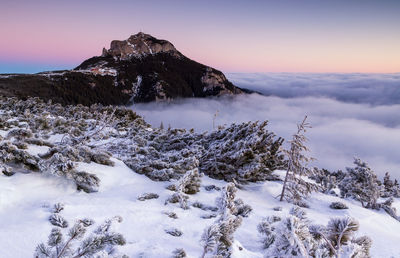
(139, 69)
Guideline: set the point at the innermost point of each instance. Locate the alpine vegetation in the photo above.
(101, 242)
(189, 183)
(361, 184)
(391, 188)
(218, 237)
(295, 188)
(100, 161)
(295, 236)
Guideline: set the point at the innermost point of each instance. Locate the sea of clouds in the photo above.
(352, 115)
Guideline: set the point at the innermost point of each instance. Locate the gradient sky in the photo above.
(234, 36)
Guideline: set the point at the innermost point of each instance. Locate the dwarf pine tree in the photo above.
(293, 236)
(288, 237)
(189, 183)
(103, 239)
(294, 187)
(218, 238)
(338, 238)
(361, 184)
(391, 188)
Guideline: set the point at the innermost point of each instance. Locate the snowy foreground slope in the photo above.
(101, 163)
(26, 201)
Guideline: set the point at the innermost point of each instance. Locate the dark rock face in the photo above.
(139, 69)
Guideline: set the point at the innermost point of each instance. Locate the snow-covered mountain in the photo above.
(139, 69)
(172, 193)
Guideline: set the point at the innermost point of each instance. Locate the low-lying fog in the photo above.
(352, 115)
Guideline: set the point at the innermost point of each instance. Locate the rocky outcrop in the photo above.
(138, 45)
(138, 69)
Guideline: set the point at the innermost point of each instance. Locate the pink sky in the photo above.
(238, 36)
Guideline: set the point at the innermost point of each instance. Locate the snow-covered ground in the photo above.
(27, 197)
(26, 201)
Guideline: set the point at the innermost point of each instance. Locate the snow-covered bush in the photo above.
(174, 232)
(218, 238)
(361, 184)
(190, 182)
(244, 152)
(180, 198)
(326, 180)
(387, 207)
(58, 221)
(294, 236)
(338, 206)
(338, 238)
(87, 182)
(391, 188)
(58, 207)
(179, 253)
(101, 241)
(242, 209)
(295, 188)
(148, 196)
(19, 158)
(19, 133)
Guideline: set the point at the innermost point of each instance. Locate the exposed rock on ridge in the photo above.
(138, 69)
(138, 45)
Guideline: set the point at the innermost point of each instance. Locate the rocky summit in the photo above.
(141, 68)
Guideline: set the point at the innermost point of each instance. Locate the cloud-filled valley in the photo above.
(356, 118)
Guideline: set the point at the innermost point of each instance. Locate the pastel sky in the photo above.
(234, 36)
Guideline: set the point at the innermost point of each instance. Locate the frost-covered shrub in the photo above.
(190, 182)
(11, 154)
(244, 152)
(58, 220)
(288, 238)
(242, 209)
(58, 207)
(338, 238)
(101, 241)
(204, 207)
(294, 236)
(6, 170)
(61, 166)
(391, 188)
(387, 207)
(148, 196)
(338, 206)
(210, 238)
(325, 179)
(80, 154)
(172, 215)
(180, 198)
(19, 133)
(102, 158)
(179, 253)
(295, 188)
(266, 229)
(212, 188)
(361, 184)
(218, 237)
(87, 182)
(174, 232)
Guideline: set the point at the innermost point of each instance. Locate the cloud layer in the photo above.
(374, 89)
(341, 130)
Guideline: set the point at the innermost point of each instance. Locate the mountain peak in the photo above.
(140, 44)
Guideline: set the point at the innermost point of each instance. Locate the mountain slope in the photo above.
(50, 153)
(139, 69)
